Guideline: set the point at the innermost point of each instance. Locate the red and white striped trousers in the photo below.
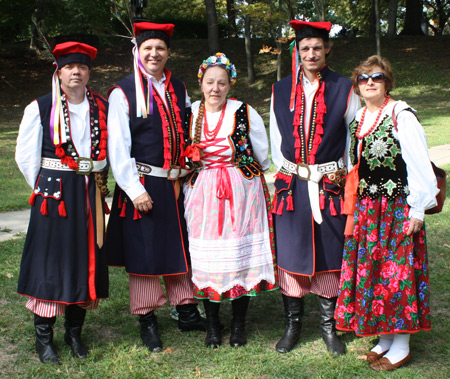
(325, 284)
(52, 309)
(147, 294)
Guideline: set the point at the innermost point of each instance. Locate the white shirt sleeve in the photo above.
(258, 137)
(275, 138)
(29, 144)
(119, 146)
(421, 179)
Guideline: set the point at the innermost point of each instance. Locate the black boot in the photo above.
(74, 323)
(328, 325)
(189, 318)
(293, 307)
(149, 332)
(44, 339)
(213, 326)
(240, 306)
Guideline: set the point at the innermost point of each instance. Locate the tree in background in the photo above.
(213, 27)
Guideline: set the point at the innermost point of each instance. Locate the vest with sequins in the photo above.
(382, 170)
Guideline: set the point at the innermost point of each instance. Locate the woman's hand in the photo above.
(414, 226)
(143, 203)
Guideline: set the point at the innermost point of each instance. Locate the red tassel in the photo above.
(119, 202)
(123, 212)
(322, 200)
(290, 202)
(341, 203)
(32, 199)
(62, 209)
(280, 207)
(274, 204)
(332, 207)
(136, 215)
(44, 209)
(106, 208)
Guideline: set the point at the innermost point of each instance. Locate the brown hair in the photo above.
(198, 122)
(367, 65)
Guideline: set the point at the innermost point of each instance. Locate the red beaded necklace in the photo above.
(212, 134)
(358, 131)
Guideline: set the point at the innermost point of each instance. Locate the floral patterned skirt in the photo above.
(384, 286)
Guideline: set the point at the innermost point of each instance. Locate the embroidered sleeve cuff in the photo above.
(416, 213)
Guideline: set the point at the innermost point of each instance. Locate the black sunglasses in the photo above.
(377, 77)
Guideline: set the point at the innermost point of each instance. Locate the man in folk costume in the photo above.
(61, 151)
(309, 117)
(147, 231)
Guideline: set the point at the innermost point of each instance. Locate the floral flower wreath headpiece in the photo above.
(220, 60)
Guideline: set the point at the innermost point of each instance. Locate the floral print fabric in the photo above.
(384, 286)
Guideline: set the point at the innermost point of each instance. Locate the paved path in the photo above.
(14, 224)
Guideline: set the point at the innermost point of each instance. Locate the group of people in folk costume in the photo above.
(191, 204)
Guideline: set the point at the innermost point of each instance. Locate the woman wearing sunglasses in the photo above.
(384, 286)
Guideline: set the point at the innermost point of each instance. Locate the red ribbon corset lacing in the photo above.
(224, 191)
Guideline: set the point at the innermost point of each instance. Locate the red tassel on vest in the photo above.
(32, 199)
(44, 209)
(123, 212)
(280, 207)
(136, 215)
(62, 209)
(332, 207)
(290, 202)
(322, 200)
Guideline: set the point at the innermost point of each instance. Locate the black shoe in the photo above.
(149, 332)
(44, 340)
(213, 326)
(74, 323)
(189, 318)
(293, 307)
(239, 306)
(328, 326)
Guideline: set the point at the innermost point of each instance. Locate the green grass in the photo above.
(117, 352)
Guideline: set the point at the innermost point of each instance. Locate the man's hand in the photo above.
(414, 226)
(143, 203)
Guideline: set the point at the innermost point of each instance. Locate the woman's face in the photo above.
(373, 90)
(215, 87)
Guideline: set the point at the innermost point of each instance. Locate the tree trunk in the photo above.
(392, 18)
(280, 49)
(251, 77)
(320, 9)
(231, 14)
(413, 17)
(38, 26)
(377, 26)
(213, 27)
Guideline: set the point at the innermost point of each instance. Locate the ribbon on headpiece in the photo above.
(293, 48)
(144, 107)
(57, 120)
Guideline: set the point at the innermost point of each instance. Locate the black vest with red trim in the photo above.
(45, 108)
(337, 92)
(146, 133)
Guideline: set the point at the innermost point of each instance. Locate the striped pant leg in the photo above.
(293, 285)
(51, 309)
(326, 284)
(180, 289)
(146, 294)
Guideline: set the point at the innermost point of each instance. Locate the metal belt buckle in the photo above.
(170, 170)
(85, 166)
(307, 168)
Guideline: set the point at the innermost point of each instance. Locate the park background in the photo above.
(421, 64)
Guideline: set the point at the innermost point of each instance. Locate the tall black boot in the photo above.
(149, 332)
(328, 325)
(74, 323)
(189, 318)
(44, 339)
(293, 307)
(240, 306)
(213, 326)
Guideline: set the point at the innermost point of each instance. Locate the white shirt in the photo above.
(29, 140)
(119, 139)
(413, 143)
(309, 90)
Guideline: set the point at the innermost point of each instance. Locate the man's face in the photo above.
(312, 53)
(154, 54)
(73, 76)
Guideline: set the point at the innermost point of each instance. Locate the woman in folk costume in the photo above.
(61, 151)
(384, 286)
(226, 201)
